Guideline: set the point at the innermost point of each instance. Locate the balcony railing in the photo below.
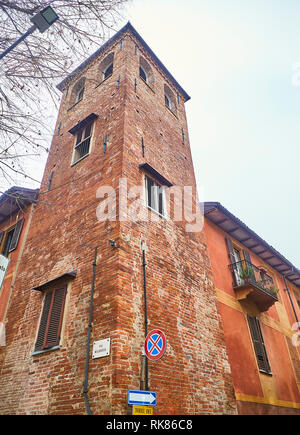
(253, 283)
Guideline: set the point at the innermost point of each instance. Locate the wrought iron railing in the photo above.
(245, 272)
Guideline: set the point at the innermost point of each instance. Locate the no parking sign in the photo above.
(155, 344)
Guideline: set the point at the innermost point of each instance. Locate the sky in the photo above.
(239, 60)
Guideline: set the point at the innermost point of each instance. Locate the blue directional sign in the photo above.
(138, 397)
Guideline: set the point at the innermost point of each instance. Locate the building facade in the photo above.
(16, 209)
(258, 293)
(105, 259)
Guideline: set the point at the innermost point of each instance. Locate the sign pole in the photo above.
(144, 376)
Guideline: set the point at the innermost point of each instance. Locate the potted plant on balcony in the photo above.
(274, 289)
(247, 274)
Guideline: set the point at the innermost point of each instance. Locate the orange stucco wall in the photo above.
(256, 392)
(14, 257)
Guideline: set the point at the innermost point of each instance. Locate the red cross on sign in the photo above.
(155, 344)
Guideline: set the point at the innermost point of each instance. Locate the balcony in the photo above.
(253, 284)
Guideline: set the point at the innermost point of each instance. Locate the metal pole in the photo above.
(144, 358)
(86, 374)
(29, 31)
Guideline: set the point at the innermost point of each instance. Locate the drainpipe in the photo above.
(144, 376)
(291, 301)
(86, 374)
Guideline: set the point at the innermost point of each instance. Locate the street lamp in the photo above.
(41, 21)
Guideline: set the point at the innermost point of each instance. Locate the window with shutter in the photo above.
(259, 345)
(16, 235)
(51, 319)
(9, 239)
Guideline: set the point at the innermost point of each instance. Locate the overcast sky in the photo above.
(239, 60)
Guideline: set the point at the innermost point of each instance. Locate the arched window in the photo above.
(170, 100)
(79, 95)
(108, 72)
(106, 67)
(145, 72)
(77, 91)
(143, 75)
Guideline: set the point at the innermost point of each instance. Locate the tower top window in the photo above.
(108, 72)
(106, 67)
(77, 91)
(143, 75)
(170, 100)
(145, 72)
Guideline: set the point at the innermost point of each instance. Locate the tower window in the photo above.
(106, 67)
(170, 100)
(108, 72)
(51, 319)
(145, 72)
(77, 91)
(143, 75)
(155, 197)
(167, 102)
(82, 143)
(79, 95)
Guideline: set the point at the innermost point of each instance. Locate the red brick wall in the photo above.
(193, 376)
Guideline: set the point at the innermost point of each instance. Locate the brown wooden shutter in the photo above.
(50, 326)
(247, 256)
(230, 250)
(232, 260)
(1, 236)
(43, 323)
(259, 345)
(16, 235)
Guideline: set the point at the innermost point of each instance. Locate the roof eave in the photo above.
(289, 270)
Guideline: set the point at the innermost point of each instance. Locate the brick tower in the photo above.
(120, 144)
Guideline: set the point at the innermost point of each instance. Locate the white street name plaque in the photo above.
(101, 348)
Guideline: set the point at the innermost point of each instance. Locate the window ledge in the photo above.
(147, 84)
(40, 352)
(170, 110)
(266, 373)
(73, 105)
(79, 160)
(157, 212)
(100, 83)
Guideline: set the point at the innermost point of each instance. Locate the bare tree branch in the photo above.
(29, 73)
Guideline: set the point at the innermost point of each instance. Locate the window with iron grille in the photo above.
(82, 143)
(259, 345)
(51, 320)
